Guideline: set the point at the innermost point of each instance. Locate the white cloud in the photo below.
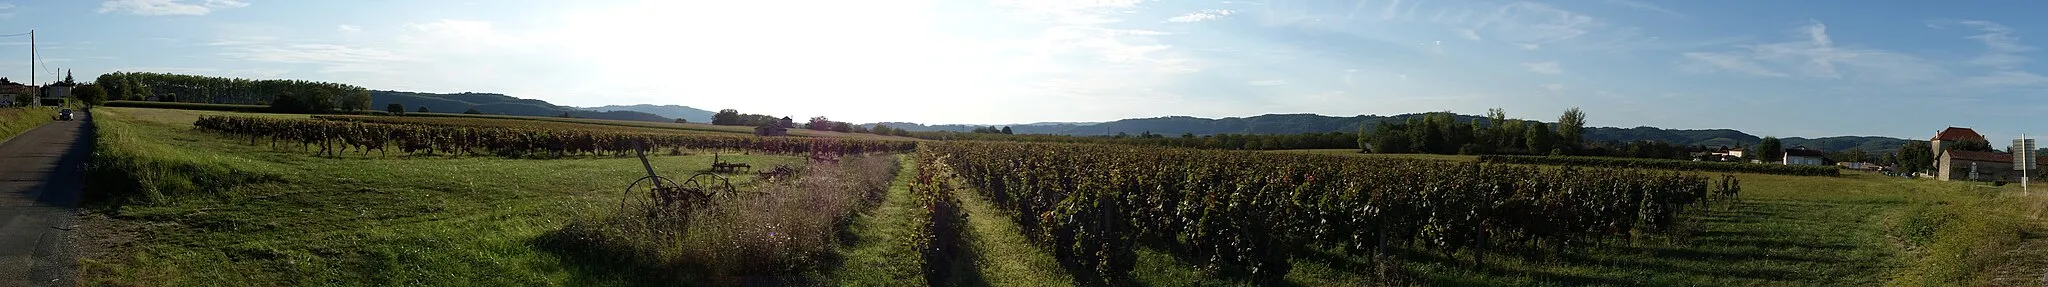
(2001, 48)
(1554, 87)
(1267, 83)
(167, 7)
(1645, 6)
(1816, 55)
(1546, 68)
(1204, 15)
(2008, 79)
(348, 28)
(1708, 62)
(6, 10)
(1532, 23)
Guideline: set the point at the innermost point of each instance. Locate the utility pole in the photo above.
(33, 90)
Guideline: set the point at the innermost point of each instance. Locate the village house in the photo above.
(771, 130)
(1800, 155)
(1724, 153)
(1969, 165)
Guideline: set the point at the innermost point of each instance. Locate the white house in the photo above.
(1799, 155)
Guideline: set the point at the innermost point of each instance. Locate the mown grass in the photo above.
(880, 253)
(1003, 255)
(14, 121)
(353, 221)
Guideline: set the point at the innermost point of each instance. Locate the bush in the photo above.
(307, 102)
(1807, 170)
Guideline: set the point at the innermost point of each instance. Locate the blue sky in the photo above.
(1786, 68)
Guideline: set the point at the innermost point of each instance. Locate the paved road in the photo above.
(40, 181)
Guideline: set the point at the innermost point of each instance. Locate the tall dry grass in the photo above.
(784, 235)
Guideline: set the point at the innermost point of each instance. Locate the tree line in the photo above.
(1442, 133)
(297, 96)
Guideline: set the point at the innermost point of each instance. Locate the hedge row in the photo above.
(1805, 170)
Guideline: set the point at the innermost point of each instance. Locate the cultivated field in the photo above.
(195, 207)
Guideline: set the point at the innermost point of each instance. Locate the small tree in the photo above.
(473, 111)
(1770, 150)
(1539, 139)
(682, 121)
(91, 94)
(423, 109)
(726, 117)
(399, 109)
(1006, 130)
(819, 123)
(23, 100)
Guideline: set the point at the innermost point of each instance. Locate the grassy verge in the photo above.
(880, 254)
(131, 164)
(14, 121)
(356, 221)
(1003, 256)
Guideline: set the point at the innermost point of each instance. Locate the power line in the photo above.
(16, 35)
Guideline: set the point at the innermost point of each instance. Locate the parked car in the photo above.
(64, 114)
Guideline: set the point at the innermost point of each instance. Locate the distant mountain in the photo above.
(1312, 123)
(671, 111)
(497, 104)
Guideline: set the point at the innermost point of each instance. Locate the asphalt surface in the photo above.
(41, 177)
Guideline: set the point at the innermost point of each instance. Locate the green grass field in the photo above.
(474, 221)
(350, 221)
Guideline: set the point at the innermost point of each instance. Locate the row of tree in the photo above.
(1442, 133)
(732, 117)
(297, 95)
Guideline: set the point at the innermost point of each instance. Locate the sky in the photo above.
(1783, 68)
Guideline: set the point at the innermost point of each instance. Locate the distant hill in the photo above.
(671, 111)
(1312, 123)
(497, 104)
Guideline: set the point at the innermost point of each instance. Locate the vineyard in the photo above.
(1247, 214)
(486, 122)
(335, 137)
(1667, 164)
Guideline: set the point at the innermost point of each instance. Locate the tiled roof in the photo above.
(1980, 156)
(1955, 133)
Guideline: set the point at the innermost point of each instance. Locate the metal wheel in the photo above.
(712, 185)
(643, 194)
